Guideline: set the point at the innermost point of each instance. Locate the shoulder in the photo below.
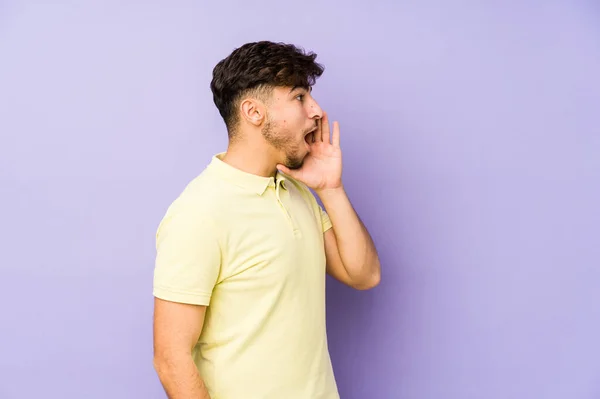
(311, 200)
(299, 188)
(302, 191)
(194, 209)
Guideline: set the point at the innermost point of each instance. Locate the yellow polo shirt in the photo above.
(251, 249)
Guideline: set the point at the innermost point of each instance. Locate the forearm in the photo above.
(180, 378)
(355, 245)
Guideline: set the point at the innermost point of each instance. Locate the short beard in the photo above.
(282, 143)
(268, 132)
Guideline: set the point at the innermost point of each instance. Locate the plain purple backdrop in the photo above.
(471, 145)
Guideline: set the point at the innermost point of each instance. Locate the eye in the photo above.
(300, 97)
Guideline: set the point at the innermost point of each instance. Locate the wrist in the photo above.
(330, 192)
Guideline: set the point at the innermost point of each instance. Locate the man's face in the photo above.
(291, 120)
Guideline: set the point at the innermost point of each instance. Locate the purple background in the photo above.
(472, 152)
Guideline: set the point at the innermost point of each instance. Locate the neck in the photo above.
(250, 157)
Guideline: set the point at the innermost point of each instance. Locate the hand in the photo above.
(322, 167)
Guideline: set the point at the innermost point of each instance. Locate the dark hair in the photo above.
(259, 67)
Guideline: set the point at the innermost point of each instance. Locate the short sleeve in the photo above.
(325, 221)
(188, 259)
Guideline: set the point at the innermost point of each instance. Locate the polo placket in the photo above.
(283, 199)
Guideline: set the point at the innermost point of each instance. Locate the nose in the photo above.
(314, 110)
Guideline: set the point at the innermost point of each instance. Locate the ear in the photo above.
(253, 111)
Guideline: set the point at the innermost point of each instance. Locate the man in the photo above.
(243, 252)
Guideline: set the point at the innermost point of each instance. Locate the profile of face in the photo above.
(292, 116)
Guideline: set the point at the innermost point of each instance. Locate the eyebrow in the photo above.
(307, 88)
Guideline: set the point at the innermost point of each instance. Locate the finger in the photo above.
(335, 140)
(325, 128)
(318, 133)
(284, 169)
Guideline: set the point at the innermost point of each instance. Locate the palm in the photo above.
(322, 167)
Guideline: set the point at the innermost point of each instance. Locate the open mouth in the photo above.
(310, 137)
(308, 140)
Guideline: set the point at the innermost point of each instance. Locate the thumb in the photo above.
(286, 170)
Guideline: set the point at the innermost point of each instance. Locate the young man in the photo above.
(243, 252)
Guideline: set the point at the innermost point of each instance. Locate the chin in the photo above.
(294, 162)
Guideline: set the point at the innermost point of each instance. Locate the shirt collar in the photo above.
(255, 183)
